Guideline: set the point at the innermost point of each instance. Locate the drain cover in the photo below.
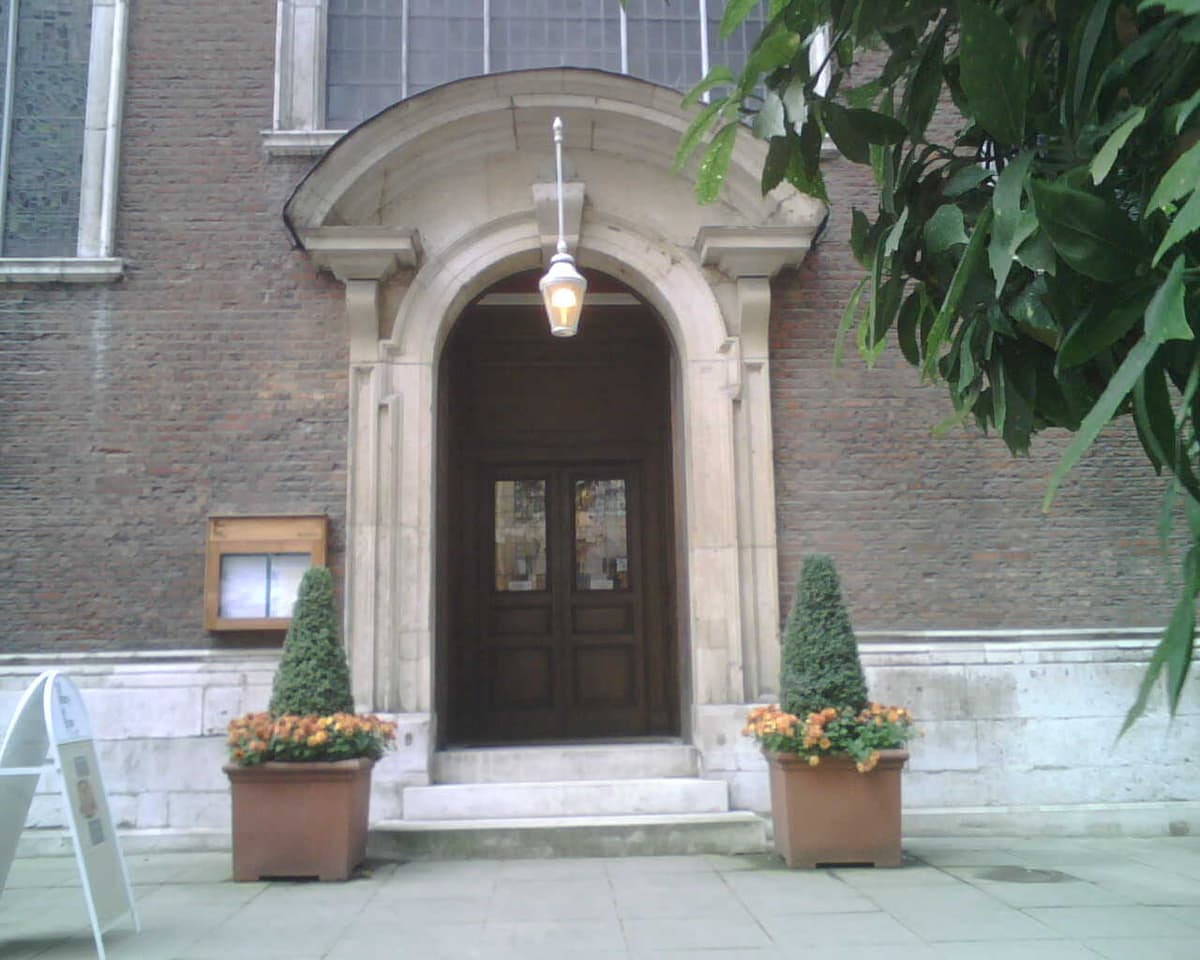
(1024, 875)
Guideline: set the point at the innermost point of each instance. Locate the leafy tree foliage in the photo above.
(1041, 256)
(313, 676)
(820, 655)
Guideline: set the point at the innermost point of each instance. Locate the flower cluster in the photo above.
(832, 731)
(258, 737)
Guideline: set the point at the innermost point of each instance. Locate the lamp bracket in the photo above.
(545, 206)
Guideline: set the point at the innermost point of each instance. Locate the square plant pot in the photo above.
(300, 819)
(832, 814)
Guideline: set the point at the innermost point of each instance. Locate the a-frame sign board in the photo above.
(51, 731)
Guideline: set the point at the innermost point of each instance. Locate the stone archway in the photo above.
(421, 208)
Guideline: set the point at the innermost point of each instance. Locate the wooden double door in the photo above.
(558, 560)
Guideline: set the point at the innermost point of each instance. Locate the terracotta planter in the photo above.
(832, 814)
(299, 819)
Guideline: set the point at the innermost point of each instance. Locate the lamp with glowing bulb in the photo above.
(563, 286)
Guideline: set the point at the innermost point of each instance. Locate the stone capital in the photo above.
(362, 253)
(754, 251)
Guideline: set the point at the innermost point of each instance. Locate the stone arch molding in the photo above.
(420, 208)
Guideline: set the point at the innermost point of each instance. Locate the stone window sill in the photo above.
(60, 269)
(299, 143)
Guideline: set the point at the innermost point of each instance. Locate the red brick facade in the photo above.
(212, 379)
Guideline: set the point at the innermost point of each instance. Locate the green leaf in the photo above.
(1153, 415)
(1174, 650)
(794, 103)
(1037, 253)
(949, 308)
(968, 178)
(695, 133)
(1090, 233)
(773, 50)
(717, 77)
(1187, 7)
(992, 72)
(1121, 382)
(922, 93)
(847, 321)
(768, 122)
(892, 243)
(1031, 313)
(1165, 316)
(1177, 115)
(1011, 225)
(1182, 177)
(1107, 155)
(735, 12)
(1083, 52)
(945, 229)
(907, 325)
(1020, 377)
(776, 164)
(885, 309)
(715, 164)
(1097, 330)
(845, 135)
(860, 229)
(875, 127)
(999, 382)
(1186, 222)
(804, 165)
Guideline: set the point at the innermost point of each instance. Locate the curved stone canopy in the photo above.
(435, 168)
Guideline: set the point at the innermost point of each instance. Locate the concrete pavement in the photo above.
(955, 899)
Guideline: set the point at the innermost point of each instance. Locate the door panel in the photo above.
(556, 617)
(561, 649)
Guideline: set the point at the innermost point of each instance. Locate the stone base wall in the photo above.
(160, 724)
(1020, 738)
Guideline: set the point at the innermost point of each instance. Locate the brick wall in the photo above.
(211, 379)
(941, 532)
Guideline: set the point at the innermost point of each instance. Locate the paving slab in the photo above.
(953, 899)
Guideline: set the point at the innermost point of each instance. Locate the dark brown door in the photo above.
(557, 560)
(561, 646)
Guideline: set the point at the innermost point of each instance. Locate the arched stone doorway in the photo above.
(556, 546)
(422, 208)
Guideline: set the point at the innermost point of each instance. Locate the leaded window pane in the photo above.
(364, 67)
(664, 41)
(555, 33)
(445, 42)
(373, 44)
(45, 128)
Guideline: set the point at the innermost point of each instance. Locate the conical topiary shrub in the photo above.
(820, 656)
(313, 676)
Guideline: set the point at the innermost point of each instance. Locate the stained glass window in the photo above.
(45, 81)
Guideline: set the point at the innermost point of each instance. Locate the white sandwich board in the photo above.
(50, 731)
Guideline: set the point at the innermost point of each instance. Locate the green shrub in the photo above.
(313, 676)
(820, 656)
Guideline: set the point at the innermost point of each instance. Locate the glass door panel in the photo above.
(601, 535)
(520, 535)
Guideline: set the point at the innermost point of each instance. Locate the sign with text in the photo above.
(51, 731)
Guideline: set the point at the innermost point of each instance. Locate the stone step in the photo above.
(565, 798)
(734, 832)
(592, 761)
